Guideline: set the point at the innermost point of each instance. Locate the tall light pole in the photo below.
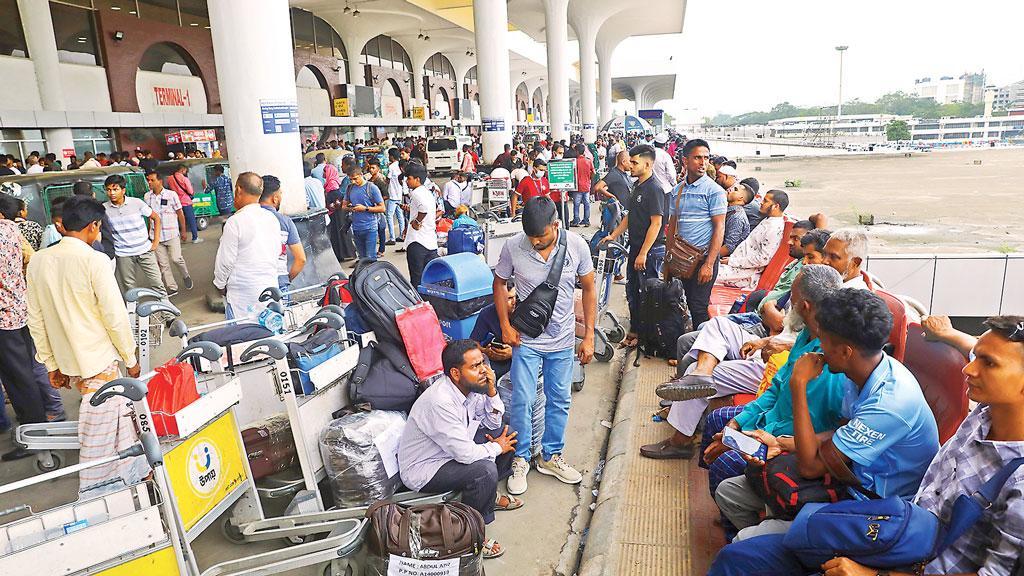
(839, 108)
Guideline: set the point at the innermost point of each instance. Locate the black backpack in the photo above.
(383, 378)
(664, 317)
(379, 291)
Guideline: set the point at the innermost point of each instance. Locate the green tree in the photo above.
(897, 130)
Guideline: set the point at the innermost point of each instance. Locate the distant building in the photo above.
(1009, 96)
(968, 88)
(870, 128)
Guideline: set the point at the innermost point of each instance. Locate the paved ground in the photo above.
(542, 538)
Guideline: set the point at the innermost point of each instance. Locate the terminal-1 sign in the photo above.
(177, 97)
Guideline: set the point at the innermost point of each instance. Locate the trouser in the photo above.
(449, 209)
(17, 362)
(743, 507)
(140, 271)
(730, 464)
(563, 210)
(477, 481)
(366, 243)
(739, 277)
(760, 556)
(417, 257)
(169, 252)
(190, 220)
(635, 281)
(683, 345)
(699, 295)
(722, 338)
(581, 198)
(394, 212)
(556, 368)
(341, 239)
(731, 377)
(382, 233)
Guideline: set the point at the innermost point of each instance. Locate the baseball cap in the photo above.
(727, 170)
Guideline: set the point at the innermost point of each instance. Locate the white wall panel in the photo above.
(85, 87)
(19, 90)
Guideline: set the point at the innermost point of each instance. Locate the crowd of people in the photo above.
(812, 347)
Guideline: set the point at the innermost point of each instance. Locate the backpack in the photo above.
(664, 317)
(383, 378)
(785, 491)
(337, 293)
(379, 291)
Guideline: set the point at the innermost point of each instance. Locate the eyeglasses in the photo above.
(1018, 333)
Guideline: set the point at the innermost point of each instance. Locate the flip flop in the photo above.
(629, 342)
(513, 503)
(489, 545)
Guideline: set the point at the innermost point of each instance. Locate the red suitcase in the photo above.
(270, 447)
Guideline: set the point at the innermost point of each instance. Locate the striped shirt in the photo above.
(166, 204)
(700, 201)
(130, 227)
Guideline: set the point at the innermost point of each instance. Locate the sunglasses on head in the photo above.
(1018, 333)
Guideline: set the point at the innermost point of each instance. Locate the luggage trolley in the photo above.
(610, 256)
(297, 311)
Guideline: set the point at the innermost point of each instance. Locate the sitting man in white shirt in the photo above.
(452, 442)
(743, 267)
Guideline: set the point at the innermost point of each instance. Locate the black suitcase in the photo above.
(379, 291)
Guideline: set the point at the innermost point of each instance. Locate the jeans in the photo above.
(366, 243)
(579, 198)
(557, 371)
(394, 211)
(417, 257)
(190, 220)
(698, 295)
(760, 556)
(635, 280)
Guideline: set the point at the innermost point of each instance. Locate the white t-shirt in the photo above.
(422, 202)
(35, 169)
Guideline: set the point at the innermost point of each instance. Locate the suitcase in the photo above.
(379, 291)
(465, 239)
(270, 447)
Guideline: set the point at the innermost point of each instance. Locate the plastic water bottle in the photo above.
(271, 320)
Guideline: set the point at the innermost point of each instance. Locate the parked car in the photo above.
(443, 152)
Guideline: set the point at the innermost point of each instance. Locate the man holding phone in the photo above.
(487, 332)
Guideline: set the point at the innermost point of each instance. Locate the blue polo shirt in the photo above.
(891, 436)
(367, 195)
(700, 201)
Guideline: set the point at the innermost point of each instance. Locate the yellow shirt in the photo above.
(75, 312)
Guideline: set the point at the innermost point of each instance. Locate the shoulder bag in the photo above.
(682, 259)
(447, 530)
(532, 315)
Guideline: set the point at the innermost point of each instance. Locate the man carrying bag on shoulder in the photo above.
(546, 260)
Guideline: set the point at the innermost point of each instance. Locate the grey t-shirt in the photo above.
(519, 259)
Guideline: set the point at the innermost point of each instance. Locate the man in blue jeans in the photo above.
(529, 256)
(363, 202)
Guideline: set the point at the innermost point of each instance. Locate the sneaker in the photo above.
(197, 241)
(689, 387)
(172, 293)
(389, 243)
(17, 454)
(517, 481)
(399, 239)
(558, 468)
(188, 283)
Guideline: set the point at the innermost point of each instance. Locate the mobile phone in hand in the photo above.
(741, 442)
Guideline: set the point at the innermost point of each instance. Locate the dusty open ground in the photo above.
(929, 202)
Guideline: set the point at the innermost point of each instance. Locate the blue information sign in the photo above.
(279, 116)
(493, 124)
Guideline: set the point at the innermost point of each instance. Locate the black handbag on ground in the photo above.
(532, 315)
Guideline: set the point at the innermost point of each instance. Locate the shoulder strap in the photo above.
(968, 509)
(559, 261)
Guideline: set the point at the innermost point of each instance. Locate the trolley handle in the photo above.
(615, 245)
(268, 346)
(322, 320)
(148, 308)
(134, 294)
(333, 309)
(178, 329)
(271, 293)
(16, 509)
(276, 306)
(209, 350)
(336, 276)
(130, 388)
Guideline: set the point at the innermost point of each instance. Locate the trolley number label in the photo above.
(400, 566)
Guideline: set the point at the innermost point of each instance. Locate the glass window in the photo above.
(339, 46)
(122, 6)
(471, 76)
(194, 14)
(302, 30)
(323, 33)
(371, 54)
(12, 36)
(75, 32)
(165, 11)
(164, 57)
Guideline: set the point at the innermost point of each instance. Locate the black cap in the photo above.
(751, 183)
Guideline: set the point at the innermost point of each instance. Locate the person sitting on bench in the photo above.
(452, 439)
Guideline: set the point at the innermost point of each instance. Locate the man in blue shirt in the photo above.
(290, 242)
(697, 208)
(487, 331)
(223, 190)
(363, 202)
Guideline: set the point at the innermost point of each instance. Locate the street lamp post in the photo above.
(839, 108)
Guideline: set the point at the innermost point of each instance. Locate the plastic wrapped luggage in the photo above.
(270, 446)
(351, 449)
(505, 393)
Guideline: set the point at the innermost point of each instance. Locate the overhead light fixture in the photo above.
(133, 12)
(194, 24)
(420, 37)
(115, 7)
(347, 9)
(118, 36)
(426, 38)
(355, 13)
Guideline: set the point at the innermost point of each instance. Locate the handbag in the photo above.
(532, 315)
(173, 388)
(423, 339)
(786, 492)
(888, 532)
(447, 530)
(681, 258)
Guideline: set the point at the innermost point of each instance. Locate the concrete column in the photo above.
(556, 17)
(354, 46)
(253, 53)
(604, 65)
(42, 48)
(588, 81)
(490, 21)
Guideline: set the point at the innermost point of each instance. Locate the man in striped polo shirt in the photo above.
(134, 251)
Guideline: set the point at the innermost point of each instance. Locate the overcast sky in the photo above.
(737, 56)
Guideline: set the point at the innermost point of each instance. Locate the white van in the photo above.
(443, 152)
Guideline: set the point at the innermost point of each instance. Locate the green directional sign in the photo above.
(562, 174)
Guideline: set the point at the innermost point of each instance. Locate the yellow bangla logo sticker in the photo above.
(204, 468)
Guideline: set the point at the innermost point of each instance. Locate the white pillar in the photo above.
(588, 82)
(255, 67)
(556, 33)
(42, 48)
(604, 64)
(490, 21)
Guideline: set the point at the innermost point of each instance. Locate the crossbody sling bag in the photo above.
(532, 315)
(681, 258)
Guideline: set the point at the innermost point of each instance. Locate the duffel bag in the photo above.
(443, 533)
(318, 348)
